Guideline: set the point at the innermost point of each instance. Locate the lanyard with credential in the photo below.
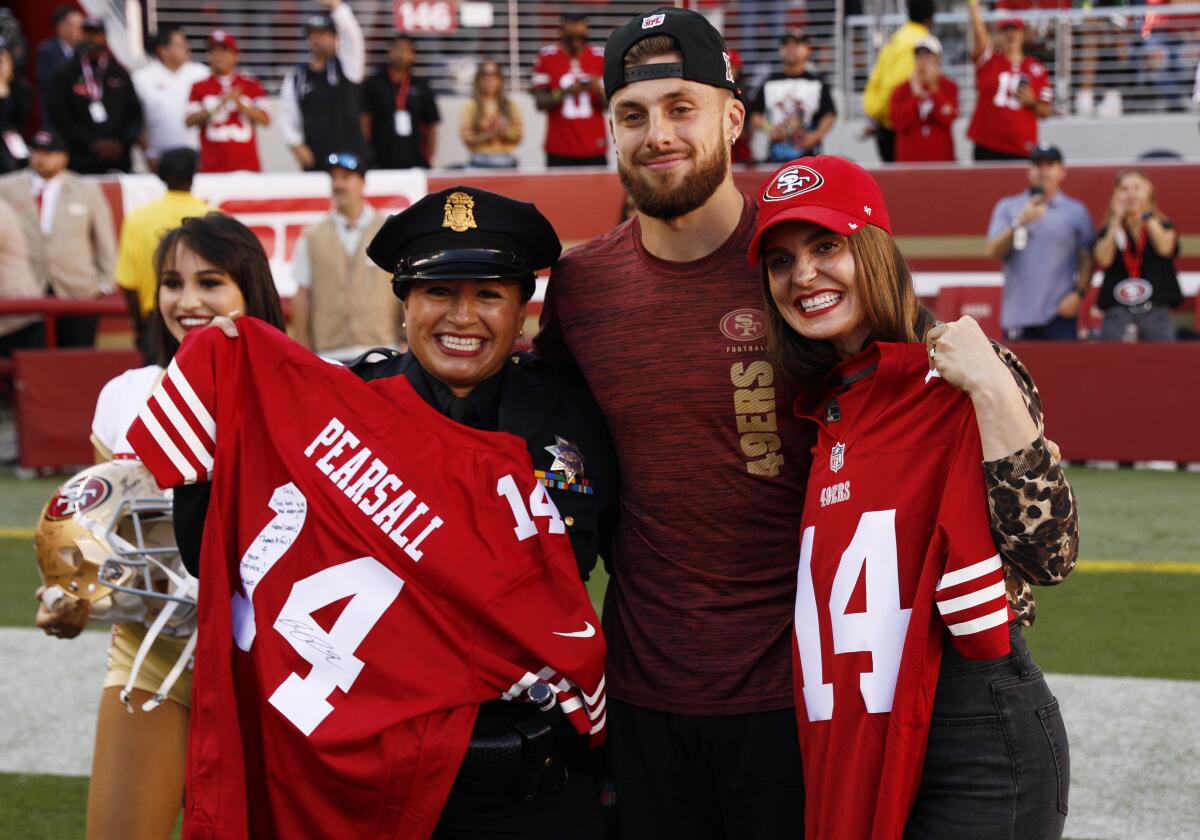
(1133, 259)
(94, 87)
(402, 93)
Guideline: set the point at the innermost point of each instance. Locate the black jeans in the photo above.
(573, 813)
(553, 161)
(705, 777)
(997, 766)
(885, 143)
(983, 153)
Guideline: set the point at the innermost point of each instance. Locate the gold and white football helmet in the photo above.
(107, 536)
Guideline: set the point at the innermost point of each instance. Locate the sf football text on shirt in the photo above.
(1001, 122)
(895, 551)
(372, 572)
(574, 127)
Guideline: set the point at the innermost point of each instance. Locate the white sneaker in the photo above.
(1085, 103)
(1110, 105)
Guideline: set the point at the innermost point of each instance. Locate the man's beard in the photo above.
(663, 199)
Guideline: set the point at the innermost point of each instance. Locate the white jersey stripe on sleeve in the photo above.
(193, 402)
(518, 688)
(594, 711)
(984, 622)
(591, 699)
(967, 573)
(598, 725)
(203, 455)
(166, 444)
(571, 704)
(972, 599)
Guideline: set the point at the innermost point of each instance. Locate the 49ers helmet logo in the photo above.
(78, 496)
(791, 182)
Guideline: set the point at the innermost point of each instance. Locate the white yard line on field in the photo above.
(1135, 743)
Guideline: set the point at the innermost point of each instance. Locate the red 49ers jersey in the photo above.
(227, 139)
(574, 127)
(896, 552)
(1000, 122)
(371, 572)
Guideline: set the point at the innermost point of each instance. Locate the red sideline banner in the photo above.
(1119, 402)
(56, 395)
(278, 207)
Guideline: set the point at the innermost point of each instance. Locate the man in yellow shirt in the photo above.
(893, 66)
(144, 227)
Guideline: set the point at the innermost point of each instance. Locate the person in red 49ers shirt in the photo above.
(228, 107)
(1013, 92)
(924, 108)
(904, 651)
(567, 85)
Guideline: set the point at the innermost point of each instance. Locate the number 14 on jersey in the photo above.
(880, 630)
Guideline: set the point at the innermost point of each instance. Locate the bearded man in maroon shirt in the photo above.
(664, 318)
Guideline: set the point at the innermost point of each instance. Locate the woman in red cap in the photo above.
(947, 728)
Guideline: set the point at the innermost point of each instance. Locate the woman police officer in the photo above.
(464, 261)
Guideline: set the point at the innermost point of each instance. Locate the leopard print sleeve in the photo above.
(1035, 522)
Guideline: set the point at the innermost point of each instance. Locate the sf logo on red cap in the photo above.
(791, 182)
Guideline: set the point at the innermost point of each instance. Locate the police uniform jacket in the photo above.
(541, 407)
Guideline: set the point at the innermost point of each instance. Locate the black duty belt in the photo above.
(524, 760)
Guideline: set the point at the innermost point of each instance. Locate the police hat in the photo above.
(465, 233)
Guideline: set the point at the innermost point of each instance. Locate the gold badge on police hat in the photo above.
(459, 212)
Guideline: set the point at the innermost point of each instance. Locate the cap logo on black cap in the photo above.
(791, 182)
(459, 213)
(728, 66)
(651, 21)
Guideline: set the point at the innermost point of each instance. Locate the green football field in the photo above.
(1129, 610)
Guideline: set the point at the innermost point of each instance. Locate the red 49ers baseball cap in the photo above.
(221, 38)
(827, 190)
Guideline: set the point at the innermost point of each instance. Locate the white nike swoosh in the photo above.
(586, 633)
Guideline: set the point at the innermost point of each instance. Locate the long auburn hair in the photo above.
(890, 307)
(503, 104)
(1137, 173)
(229, 245)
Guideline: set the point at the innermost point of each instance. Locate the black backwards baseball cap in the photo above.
(48, 141)
(705, 57)
(465, 233)
(321, 22)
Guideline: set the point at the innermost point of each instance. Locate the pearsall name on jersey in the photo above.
(335, 438)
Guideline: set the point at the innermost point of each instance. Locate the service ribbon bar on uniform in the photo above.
(558, 481)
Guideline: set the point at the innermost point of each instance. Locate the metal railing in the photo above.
(270, 33)
(1102, 62)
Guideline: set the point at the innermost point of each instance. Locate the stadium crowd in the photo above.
(96, 117)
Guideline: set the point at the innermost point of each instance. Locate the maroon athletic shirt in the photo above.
(713, 469)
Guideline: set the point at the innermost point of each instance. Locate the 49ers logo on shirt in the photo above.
(1133, 291)
(744, 325)
(78, 496)
(793, 181)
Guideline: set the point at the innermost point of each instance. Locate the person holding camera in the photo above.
(1014, 91)
(1044, 238)
(1136, 249)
